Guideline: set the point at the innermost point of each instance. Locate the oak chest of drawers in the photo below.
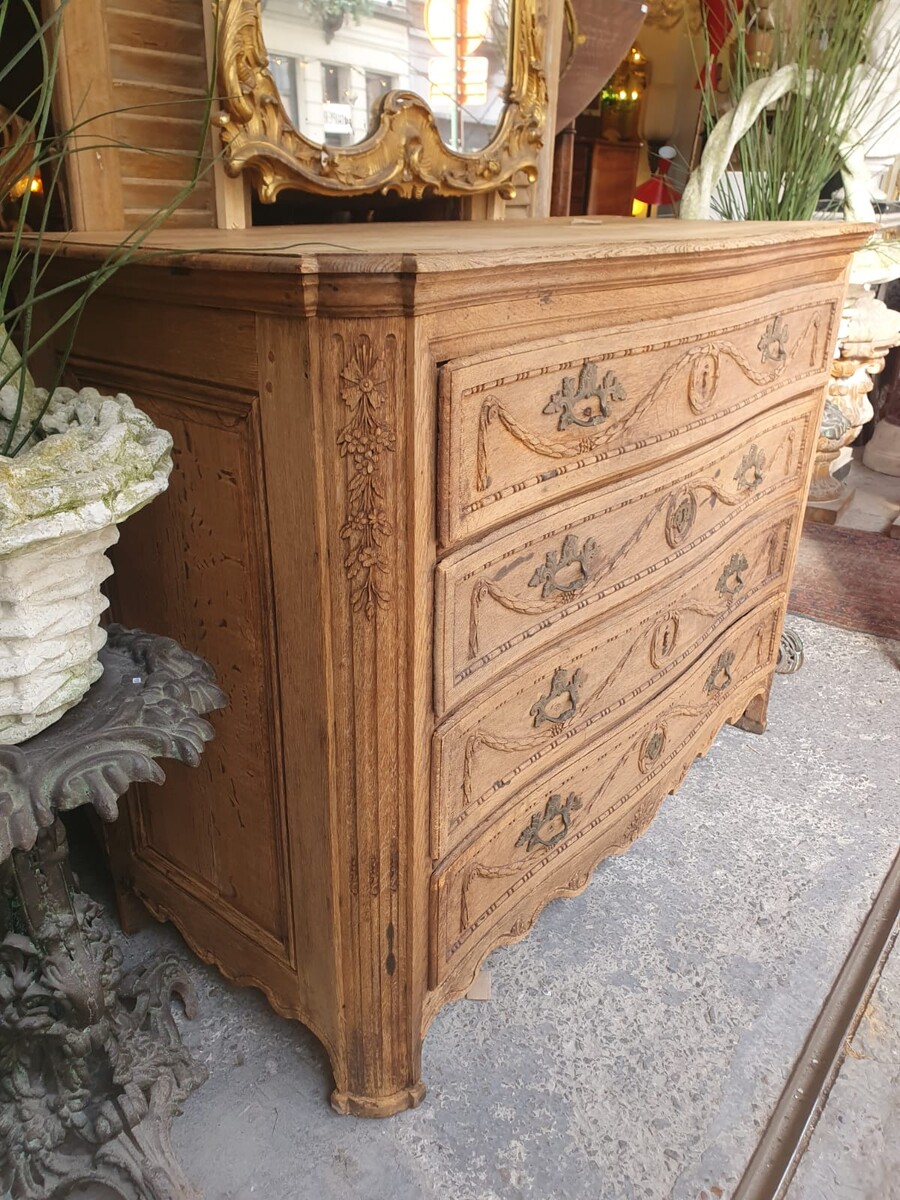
(487, 529)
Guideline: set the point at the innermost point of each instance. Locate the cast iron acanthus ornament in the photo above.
(92, 1069)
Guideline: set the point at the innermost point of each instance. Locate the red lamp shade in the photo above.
(657, 189)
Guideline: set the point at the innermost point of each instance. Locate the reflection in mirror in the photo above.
(334, 61)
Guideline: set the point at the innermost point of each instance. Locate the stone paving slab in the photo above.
(638, 1039)
(854, 1152)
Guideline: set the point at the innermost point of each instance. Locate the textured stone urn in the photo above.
(868, 330)
(97, 460)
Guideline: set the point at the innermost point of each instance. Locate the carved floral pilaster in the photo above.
(365, 441)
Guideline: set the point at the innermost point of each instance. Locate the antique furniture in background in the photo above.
(604, 177)
(93, 1069)
(488, 529)
(606, 28)
(596, 174)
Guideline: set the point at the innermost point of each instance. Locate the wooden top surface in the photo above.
(434, 247)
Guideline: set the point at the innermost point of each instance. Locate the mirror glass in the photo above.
(334, 61)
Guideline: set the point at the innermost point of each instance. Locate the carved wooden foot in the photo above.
(377, 1106)
(790, 655)
(754, 716)
(92, 1069)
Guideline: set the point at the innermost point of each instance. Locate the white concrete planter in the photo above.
(61, 499)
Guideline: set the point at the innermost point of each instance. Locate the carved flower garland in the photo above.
(365, 439)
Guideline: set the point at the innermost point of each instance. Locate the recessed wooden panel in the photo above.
(189, 343)
(193, 566)
(529, 426)
(512, 595)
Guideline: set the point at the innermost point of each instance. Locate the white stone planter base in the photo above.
(50, 634)
(94, 461)
(882, 453)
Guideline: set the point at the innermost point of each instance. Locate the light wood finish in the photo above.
(133, 77)
(160, 85)
(83, 101)
(320, 853)
(508, 596)
(544, 711)
(596, 804)
(526, 427)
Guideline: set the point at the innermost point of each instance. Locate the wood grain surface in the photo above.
(374, 815)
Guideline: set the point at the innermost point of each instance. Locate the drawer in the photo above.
(512, 595)
(526, 427)
(490, 750)
(595, 804)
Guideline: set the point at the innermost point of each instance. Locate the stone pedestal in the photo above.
(868, 330)
(883, 451)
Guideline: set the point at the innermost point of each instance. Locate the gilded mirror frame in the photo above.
(404, 153)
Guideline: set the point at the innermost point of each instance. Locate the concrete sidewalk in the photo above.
(638, 1040)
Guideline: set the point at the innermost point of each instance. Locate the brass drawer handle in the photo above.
(569, 556)
(565, 400)
(720, 676)
(751, 472)
(561, 685)
(773, 343)
(727, 585)
(556, 810)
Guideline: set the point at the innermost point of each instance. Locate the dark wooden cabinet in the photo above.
(604, 177)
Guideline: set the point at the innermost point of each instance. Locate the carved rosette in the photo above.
(364, 441)
(404, 153)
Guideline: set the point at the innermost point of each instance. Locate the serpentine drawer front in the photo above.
(487, 528)
(597, 802)
(523, 429)
(485, 754)
(515, 592)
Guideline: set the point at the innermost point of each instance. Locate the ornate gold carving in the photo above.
(404, 154)
(365, 439)
(666, 14)
(569, 395)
